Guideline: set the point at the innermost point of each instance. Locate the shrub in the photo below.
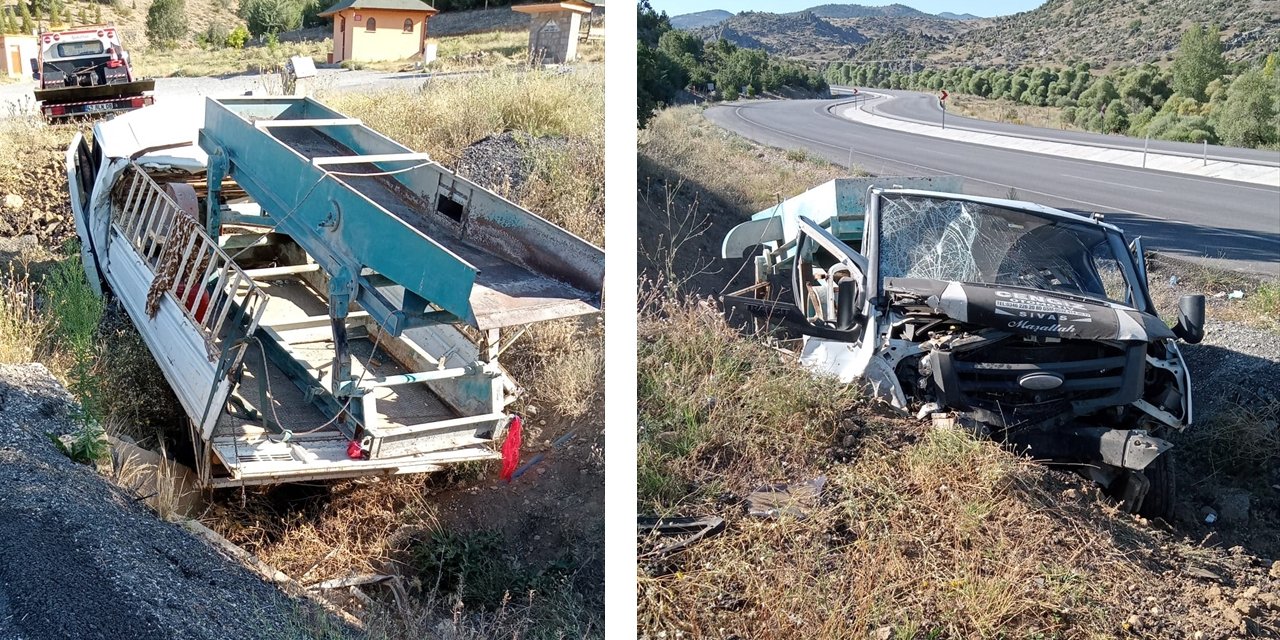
(215, 36)
(166, 22)
(266, 17)
(238, 37)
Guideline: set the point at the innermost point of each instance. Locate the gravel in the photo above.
(1235, 363)
(81, 559)
(504, 162)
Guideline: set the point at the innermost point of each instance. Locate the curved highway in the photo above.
(1230, 224)
(914, 106)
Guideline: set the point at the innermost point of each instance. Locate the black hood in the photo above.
(1034, 312)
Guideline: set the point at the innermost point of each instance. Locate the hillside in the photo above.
(1101, 32)
(700, 19)
(860, 11)
(1116, 31)
(130, 16)
(958, 16)
(800, 34)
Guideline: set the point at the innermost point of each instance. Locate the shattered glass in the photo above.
(954, 240)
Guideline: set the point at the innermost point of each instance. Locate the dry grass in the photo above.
(1008, 111)
(192, 61)
(566, 187)
(22, 326)
(720, 413)
(920, 533)
(562, 364)
(1259, 308)
(740, 172)
(130, 17)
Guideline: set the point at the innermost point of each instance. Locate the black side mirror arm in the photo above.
(1190, 327)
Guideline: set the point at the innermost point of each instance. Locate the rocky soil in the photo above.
(81, 559)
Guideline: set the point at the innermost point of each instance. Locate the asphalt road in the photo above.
(1228, 224)
(915, 106)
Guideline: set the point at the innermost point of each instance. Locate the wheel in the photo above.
(1158, 502)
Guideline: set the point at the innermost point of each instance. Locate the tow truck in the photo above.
(86, 71)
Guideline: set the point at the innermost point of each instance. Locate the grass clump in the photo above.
(566, 185)
(718, 412)
(742, 173)
(22, 324)
(222, 61)
(919, 532)
(474, 569)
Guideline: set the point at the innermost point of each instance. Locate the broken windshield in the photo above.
(958, 240)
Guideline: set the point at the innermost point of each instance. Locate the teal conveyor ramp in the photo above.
(397, 233)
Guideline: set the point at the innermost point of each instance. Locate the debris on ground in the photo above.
(81, 559)
(785, 499)
(690, 530)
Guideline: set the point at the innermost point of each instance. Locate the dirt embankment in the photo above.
(920, 534)
(81, 559)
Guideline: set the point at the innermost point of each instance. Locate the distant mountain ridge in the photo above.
(793, 34)
(863, 11)
(688, 21)
(1101, 32)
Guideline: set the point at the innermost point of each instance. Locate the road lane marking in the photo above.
(978, 127)
(1114, 184)
(737, 111)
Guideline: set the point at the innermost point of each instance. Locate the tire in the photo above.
(1163, 491)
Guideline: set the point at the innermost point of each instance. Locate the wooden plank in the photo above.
(275, 272)
(314, 322)
(368, 159)
(317, 122)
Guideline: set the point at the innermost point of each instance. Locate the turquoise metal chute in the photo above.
(396, 232)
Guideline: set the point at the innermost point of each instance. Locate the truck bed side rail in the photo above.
(187, 297)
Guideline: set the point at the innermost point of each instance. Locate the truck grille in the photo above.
(1023, 381)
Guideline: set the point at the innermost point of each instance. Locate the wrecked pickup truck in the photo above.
(1029, 324)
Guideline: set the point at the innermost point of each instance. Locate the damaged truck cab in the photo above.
(1029, 324)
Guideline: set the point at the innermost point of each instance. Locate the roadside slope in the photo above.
(80, 559)
(920, 532)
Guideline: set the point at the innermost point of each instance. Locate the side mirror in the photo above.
(1190, 327)
(846, 304)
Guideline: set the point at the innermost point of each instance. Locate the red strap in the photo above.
(511, 448)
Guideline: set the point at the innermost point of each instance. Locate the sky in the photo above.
(984, 8)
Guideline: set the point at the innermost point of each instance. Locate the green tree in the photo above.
(1247, 118)
(55, 13)
(166, 22)
(650, 25)
(97, 13)
(24, 14)
(238, 37)
(658, 80)
(1116, 119)
(269, 17)
(1199, 62)
(8, 24)
(686, 50)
